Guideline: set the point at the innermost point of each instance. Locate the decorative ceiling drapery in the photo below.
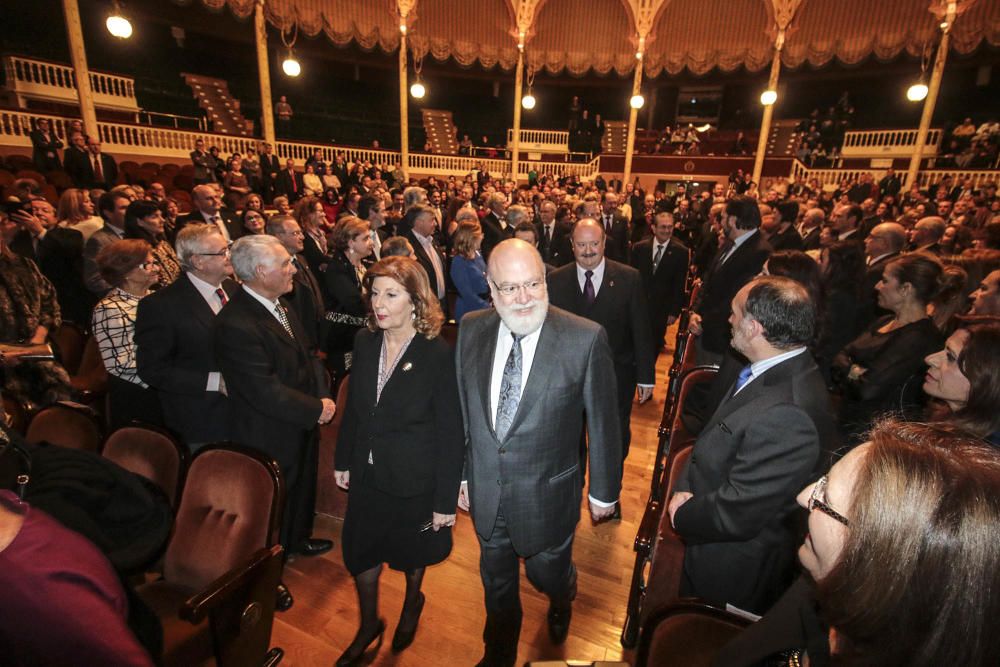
(579, 36)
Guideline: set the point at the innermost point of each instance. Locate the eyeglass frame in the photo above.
(532, 286)
(816, 503)
(222, 253)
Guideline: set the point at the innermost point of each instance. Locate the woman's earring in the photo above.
(413, 314)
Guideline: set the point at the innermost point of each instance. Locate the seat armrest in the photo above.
(201, 604)
(648, 527)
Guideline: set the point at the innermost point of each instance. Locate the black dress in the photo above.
(404, 449)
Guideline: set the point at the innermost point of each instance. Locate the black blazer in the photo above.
(559, 250)
(274, 384)
(283, 186)
(620, 307)
(75, 165)
(425, 261)
(414, 432)
(811, 240)
(786, 240)
(60, 259)
(269, 165)
(45, 150)
(616, 244)
(108, 166)
(228, 219)
(493, 233)
(306, 299)
(721, 285)
(665, 288)
(174, 355)
(756, 452)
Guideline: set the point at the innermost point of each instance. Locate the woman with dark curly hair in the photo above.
(401, 447)
(144, 221)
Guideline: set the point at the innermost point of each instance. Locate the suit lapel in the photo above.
(538, 378)
(202, 311)
(484, 364)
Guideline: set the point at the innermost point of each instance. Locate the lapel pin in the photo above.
(611, 284)
(407, 366)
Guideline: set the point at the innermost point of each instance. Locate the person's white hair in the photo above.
(191, 241)
(517, 214)
(414, 195)
(250, 252)
(466, 213)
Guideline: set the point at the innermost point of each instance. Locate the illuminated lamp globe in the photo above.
(418, 90)
(768, 97)
(291, 66)
(528, 101)
(916, 92)
(637, 101)
(119, 26)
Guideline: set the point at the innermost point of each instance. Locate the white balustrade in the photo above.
(552, 141)
(888, 143)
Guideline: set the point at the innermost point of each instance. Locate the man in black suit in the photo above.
(45, 147)
(174, 343)
(208, 210)
(427, 251)
(811, 227)
(739, 259)
(204, 164)
(890, 184)
(763, 444)
(615, 228)
(269, 168)
(780, 228)
(75, 159)
(277, 392)
(611, 294)
(846, 220)
(883, 245)
(112, 207)
(289, 182)
(926, 235)
(494, 223)
(99, 170)
(306, 297)
(663, 263)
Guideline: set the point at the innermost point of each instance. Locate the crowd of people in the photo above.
(824, 310)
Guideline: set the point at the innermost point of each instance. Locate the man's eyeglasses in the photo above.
(222, 253)
(817, 502)
(533, 286)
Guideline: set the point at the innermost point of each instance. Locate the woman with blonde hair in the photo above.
(401, 448)
(77, 211)
(468, 270)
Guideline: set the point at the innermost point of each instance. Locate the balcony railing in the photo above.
(829, 179)
(29, 78)
(545, 141)
(888, 143)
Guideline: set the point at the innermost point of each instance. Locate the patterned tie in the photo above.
(283, 318)
(589, 294)
(510, 389)
(658, 257)
(742, 379)
(221, 293)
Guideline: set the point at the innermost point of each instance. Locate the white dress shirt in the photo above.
(597, 278)
(432, 253)
(208, 293)
(758, 368)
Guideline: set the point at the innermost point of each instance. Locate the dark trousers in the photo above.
(299, 467)
(626, 394)
(551, 571)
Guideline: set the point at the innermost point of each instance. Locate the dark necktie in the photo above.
(742, 378)
(98, 169)
(589, 294)
(221, 293)
(283, 318)
(657, 257)
(510, 389)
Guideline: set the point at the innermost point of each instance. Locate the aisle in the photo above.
(323, 621)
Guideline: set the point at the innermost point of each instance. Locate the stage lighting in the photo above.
(637, 101)
(418, 90)
(291, 66)
(768, 97)
(917, 92)
(528, 101)
(117, 24)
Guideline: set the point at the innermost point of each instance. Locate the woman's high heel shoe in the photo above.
(360, 645)
(403, 638)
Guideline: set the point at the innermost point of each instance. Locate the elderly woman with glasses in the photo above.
(130, 268)
(901, 559)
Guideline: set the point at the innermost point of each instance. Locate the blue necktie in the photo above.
(742, 379)
(510, 389)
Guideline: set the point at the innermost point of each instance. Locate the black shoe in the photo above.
(558, 618)
(285, 599)
(403, 638)
(313, 547)
(358, 647)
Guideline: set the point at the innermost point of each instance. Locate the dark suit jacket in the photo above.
(425, 261)
(60, 259)
(811, 240)
(616, 244)
(414, 431)
(306, 299)
(721, 285)
(665, 288)
(786, 240)
(559, 250)
(493, 234)
(75, 165)
(268, 164)
(620, 307)
(228, 219)
(283, 186)
(756, 452)
(45, 151)
(109, 168)
(540, 480)
(175, 354)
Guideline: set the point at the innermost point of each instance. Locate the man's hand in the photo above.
(598, 513)
(30, 222)
(439, 521)
(329, 409)
(463, 497)
(342, 478)
(676, 501)
(645, 393)
(694, 324)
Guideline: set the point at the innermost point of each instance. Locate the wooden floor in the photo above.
(324, 619)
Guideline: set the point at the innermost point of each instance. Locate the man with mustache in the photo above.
(527, 374)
